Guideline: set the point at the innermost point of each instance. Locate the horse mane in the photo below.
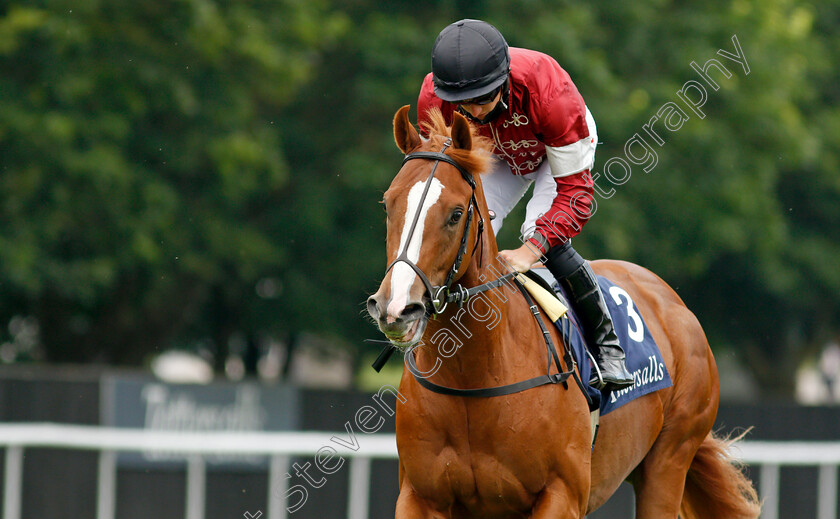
(475, 160)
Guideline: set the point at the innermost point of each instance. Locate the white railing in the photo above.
(281, 446)
(771, 456)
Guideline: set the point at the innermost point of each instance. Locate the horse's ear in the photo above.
(461, 136)
(404, 132)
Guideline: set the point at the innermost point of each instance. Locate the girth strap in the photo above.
(508, 389)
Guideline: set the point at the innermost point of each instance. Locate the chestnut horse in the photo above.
(529, 453)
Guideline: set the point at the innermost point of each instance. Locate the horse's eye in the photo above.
(456, 216)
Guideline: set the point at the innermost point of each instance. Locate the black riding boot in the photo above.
(576, 276)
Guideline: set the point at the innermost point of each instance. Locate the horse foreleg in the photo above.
(560, 500)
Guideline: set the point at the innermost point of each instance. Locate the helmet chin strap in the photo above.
(500, 107)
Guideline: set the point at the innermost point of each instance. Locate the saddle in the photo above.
(643, 358)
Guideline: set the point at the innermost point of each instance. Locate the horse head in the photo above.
(435, 223)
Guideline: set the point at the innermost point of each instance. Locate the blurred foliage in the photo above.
(177, 172)
(143, 167)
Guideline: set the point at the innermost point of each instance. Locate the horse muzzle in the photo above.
(404, 326)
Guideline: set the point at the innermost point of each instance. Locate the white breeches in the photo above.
(503, 190)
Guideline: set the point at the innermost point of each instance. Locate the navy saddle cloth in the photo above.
(643, 359)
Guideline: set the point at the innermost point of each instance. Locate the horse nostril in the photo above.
(373, 308)
(413, 312)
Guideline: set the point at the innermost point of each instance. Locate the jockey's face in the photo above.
(480, 108)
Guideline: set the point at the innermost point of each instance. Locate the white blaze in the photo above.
(402, 276)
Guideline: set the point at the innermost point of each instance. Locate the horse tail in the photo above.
(716, 485)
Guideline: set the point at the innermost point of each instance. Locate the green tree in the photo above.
(140, 159)
(737, 212)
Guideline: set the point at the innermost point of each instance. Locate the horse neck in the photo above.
(482, 343)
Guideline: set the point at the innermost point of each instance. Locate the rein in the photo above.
(560, 377)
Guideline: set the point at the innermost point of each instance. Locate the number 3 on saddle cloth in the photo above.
(643, 359)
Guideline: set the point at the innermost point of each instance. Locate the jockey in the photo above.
(544, 135)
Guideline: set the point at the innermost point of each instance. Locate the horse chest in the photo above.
(488, 467)
(479, 481)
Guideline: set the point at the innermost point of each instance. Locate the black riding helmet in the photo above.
(470, 59)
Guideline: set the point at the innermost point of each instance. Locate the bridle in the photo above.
(440, 296)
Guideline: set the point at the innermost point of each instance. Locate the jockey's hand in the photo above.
(521, 259)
